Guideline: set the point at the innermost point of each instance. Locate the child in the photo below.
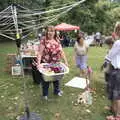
(106, 66)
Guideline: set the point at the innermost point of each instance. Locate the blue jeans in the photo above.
(45, 87)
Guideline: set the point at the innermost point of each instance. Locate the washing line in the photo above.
(39, 10)
(5, 9)
(25, 31)
(7, 21)
(46, 22)
(9, 30)
(7, 36)
(10, 33)
(26, 35)
(2, 15)
(13, 30)
(7, 27)
(14, 12)
(54, 19)
(2, 18)
(50, 11)
(18, 5)
(6, 14)
(35, 13)
(11, 23)
(62, 8)
(14, 33)
(3, 24)
(43, 18)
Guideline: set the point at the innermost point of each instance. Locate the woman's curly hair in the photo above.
(117, 29)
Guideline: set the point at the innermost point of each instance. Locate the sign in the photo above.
(16, 70)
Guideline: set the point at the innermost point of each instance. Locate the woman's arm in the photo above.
(40, 53)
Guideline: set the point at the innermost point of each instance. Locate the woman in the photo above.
(50, 51)
(81, 49)
(113, 86)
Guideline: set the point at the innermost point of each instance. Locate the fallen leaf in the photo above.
(2, 96)
(16, 98)
(18, 117)
(9, 108)
(88, 111)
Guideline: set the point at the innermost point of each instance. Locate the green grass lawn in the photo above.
(12, 93)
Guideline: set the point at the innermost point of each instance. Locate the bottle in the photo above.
(89, 97)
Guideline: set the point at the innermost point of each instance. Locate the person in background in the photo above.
(39, 36)
(50, 51)
(81, 50)
(98, 38)
(113, 57)
(101, 42)
(61, 39)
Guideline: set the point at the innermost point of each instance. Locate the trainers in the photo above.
(45, 97)
(59, 94)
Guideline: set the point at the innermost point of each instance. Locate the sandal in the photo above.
(111, 117)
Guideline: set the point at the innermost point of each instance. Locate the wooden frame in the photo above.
(16, 70)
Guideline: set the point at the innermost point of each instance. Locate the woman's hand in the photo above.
(34, 62)
(39, 66)
(66, 63)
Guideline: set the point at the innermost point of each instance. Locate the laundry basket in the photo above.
(51, 75)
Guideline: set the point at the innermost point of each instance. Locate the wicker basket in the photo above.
(54, 76)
